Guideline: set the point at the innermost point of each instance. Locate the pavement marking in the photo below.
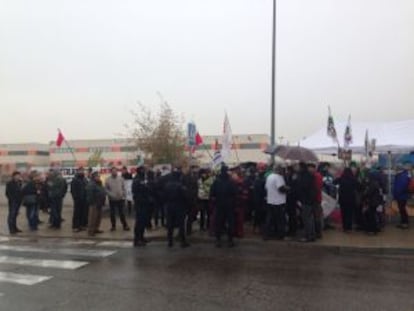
(1, 294)
(120, 244)
(22, 279)
(59, 251)
(10, 239)
(80, 242)
(43, 263)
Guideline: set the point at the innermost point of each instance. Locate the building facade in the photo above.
(99, 152)
(118, 152)
(23, 157)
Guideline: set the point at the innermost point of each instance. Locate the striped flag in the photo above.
(217, 158)
(331, 126)
(348, 139)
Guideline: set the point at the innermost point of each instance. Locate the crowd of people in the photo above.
(281, 202)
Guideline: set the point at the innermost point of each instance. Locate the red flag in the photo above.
(198, 142)
(60, 139)
(198, 139)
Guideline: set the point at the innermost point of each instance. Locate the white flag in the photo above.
(227, 140)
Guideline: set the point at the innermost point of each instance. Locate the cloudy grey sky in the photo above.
(82, 64)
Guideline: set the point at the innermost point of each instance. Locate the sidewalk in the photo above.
(392, 239)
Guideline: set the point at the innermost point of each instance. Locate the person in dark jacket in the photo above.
(401, 194)
(30, 194)
(175, 202)
(57, 188)
(372, 201)
(348, 187)
(259, 195)
(190, 182)
(223, 193)
(14, 197)
(142, 199)
(44, 197)
(307, 200)
(292, 199)
(159, 208)
(80, 204)
(95, 197)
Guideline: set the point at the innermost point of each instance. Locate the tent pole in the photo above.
(389, 179)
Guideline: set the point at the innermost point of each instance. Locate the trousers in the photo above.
(80, 214)
(14, 208)
(32, 215)
(142, 217)
(402, 207)
(95, 217)
(308, 217)
(275, 221)
(56, 212)
(224, 217)
(117, 206)
(176, 218)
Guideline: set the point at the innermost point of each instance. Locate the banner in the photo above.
(128, 190)
(329, 204)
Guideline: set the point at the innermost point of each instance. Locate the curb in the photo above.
(336, 249)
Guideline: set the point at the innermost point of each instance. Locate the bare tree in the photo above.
(160, 136)
(95, 159)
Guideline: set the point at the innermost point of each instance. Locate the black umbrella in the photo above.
(292, 153)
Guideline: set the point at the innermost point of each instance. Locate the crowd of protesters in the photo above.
(281, 202)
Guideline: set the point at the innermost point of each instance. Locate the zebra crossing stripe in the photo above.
(4, 239)
(120, 244)
(59, 251)
(80, 242)
(22, 279)
(43, 263)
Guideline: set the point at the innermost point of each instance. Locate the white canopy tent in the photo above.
(397, 137)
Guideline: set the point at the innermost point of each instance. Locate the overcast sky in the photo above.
(82, 64)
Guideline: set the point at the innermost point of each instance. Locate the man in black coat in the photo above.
(307, 200)
(223, 193)
(80, 207)
(175, 200)
(190, 182)
(14, 196)
(142, 199)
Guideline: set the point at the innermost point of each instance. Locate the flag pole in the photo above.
(208, 151)
(232, 137)
(235, 149)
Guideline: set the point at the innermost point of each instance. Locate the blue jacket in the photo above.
(401, 184)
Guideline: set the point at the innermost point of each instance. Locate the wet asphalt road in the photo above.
(253, 276)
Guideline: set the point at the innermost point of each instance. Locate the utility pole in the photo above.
(273, 103)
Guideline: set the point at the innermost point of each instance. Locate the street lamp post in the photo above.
(273, 104)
